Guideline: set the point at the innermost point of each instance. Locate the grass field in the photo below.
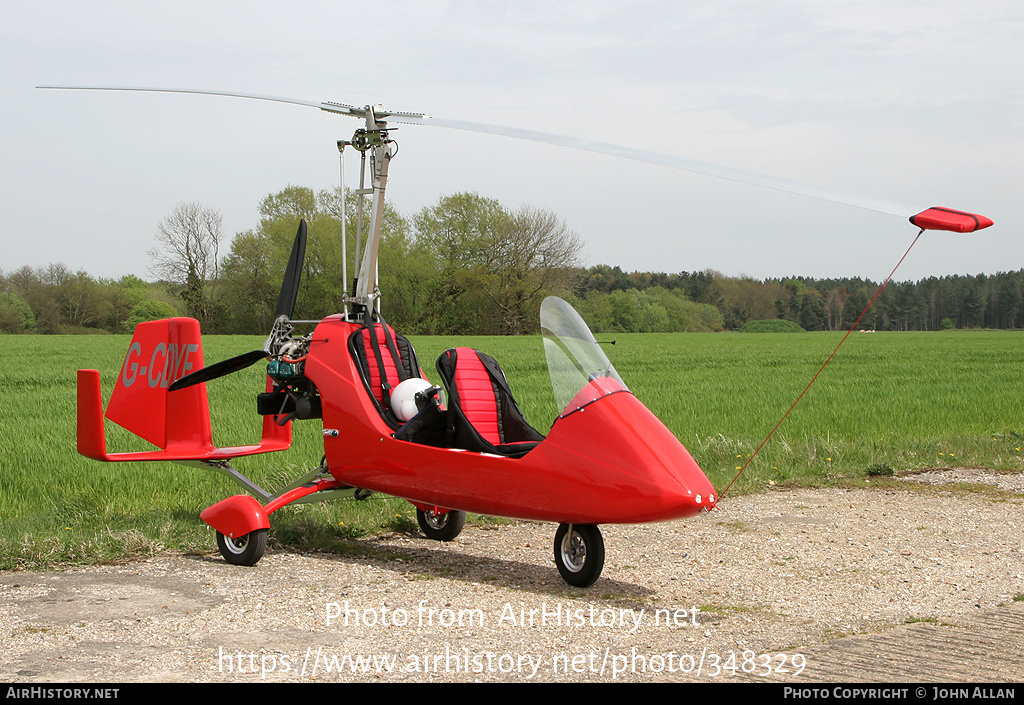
(898, 400)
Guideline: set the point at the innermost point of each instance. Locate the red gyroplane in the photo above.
(606, 459)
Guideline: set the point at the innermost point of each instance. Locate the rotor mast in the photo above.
(372, 139)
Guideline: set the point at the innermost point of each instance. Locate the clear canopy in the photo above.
(580, 371)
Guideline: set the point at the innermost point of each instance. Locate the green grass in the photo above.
(898, 400)
(908, 400)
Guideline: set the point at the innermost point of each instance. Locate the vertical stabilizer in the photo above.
(161, 352)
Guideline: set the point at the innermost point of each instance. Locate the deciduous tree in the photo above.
(187, 252)
(494, 265)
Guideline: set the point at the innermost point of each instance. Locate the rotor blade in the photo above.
(292, 275)
(675, 162)
(706, 168)
(218, 369)
(275, 99)
(327, 106)
(938, 218)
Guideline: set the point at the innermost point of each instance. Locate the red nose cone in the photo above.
(625, 466)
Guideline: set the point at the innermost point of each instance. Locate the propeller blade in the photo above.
(285, 306)
(219, 369)
(292, 275)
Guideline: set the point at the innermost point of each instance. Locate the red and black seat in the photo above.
(385, 359)
(482, 414)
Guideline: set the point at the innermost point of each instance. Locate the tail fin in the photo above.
(177, 422)
(161, 352)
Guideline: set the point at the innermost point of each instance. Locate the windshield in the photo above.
(580, 371)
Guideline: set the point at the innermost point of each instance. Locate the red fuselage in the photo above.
(612, 461)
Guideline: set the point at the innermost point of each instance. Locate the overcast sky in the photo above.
(914, 102)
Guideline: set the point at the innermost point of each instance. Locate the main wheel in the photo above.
(244, 550)
(579, 553)
(441, 527)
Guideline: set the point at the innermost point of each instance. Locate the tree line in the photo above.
(466, 265)
(934, 303)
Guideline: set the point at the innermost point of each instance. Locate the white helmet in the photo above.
(403, 397)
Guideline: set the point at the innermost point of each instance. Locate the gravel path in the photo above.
(923, 582)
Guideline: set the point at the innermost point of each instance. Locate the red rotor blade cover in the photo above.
(948, 219)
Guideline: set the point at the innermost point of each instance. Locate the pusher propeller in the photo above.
(285, 307)
(292, 274)
(219, 369)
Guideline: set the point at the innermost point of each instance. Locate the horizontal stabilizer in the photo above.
(949, 219)
(178, 423)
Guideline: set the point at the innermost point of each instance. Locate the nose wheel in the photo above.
(579, 553)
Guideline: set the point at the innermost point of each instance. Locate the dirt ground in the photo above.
(922, 582)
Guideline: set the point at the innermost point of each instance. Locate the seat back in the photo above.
(482, 412)
(385, 359)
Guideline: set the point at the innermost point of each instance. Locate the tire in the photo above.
(244, 550)
(579, 553)
(441, 527)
